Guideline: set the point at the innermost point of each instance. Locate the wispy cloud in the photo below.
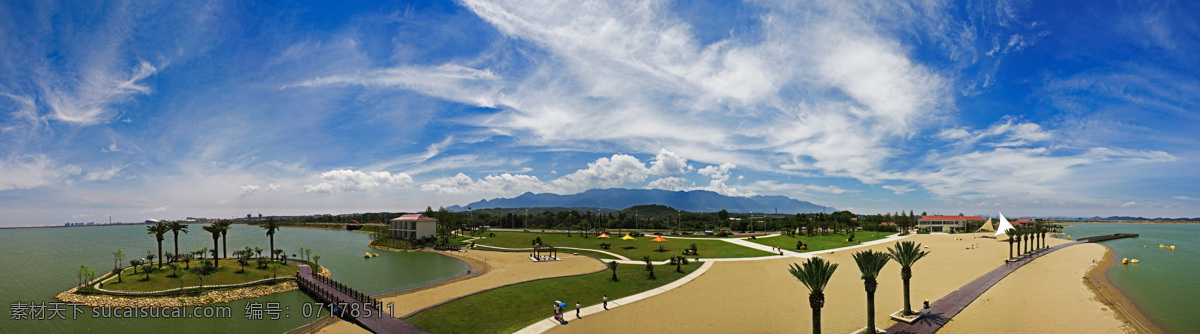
(339, 180)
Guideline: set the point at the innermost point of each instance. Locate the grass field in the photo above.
(633, 249)
(226, 274)
(820, 242)
(508, 309)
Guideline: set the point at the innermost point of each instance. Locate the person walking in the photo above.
(606, 302)
(577, 310)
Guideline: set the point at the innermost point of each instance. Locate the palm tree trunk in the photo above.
(176, 243)
(272, 247)
(216, 260)
(816, 320)
(224, 246)
(907, 303)
(160, 253)
(870, 312)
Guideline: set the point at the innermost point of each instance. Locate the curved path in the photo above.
(618, 256)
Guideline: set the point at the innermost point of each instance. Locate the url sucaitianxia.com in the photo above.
(66, 311)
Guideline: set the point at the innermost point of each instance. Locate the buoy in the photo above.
(1125, 261)
(1133, 261)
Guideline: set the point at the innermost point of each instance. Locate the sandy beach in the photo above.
(761, 296)
(502, 268)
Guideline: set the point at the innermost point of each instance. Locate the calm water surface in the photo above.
(39, 263)
(1166, 284)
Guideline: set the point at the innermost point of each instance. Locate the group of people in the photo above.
(560, 307)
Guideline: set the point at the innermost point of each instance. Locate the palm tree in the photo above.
(177, 227)
(225, 226)
(271, 226)
(814, 274)
(159, 229)
(870, 263)
(215, 229)
(118, 256)
(1012, 235)
(906, 254)
(612, 265)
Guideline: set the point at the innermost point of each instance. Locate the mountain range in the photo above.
(618, 198)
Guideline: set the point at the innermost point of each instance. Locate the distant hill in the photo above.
(617, 199)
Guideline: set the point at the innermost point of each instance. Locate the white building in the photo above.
(413, 226)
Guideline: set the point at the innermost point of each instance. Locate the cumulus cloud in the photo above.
(605, 172)
(248, 189)
(339, 180)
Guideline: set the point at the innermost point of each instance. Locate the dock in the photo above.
(361, 308)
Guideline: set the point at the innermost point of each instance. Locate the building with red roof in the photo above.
(945, 223)
(413, 226)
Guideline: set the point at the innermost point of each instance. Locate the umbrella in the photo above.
(602, 235)
(659, 239)
(626, 237)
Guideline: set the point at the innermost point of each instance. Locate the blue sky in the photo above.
(220, 109)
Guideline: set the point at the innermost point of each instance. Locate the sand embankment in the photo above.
(761, 296)
(502, 268)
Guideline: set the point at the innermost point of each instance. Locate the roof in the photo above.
(887, 223)
(414, 217)
(956, 218)
(1022, 221)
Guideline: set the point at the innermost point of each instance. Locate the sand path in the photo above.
(502, 268)
(1047, 295)
(761, 296)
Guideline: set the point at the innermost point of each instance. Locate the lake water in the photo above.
(1164, 285)
(39, 263)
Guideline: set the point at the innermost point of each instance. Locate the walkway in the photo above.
(618, 256)
(940, 311)
(379, 321)
(549, 323)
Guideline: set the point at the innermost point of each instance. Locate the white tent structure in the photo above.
(987, 226)
(1004, 225)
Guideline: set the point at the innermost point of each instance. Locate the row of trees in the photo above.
(815, 274)
(1033, 236)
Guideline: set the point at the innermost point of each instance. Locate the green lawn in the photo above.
(226, 274)
(508, 309)
(633, 249)
(819, 241)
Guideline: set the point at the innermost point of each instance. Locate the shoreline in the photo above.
(1108, 294)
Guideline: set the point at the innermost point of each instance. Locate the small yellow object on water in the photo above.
(1124, 260)
(1172, 247)
(1161, 246)
(1133, 261)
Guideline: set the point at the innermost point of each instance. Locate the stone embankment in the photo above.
(204, 298)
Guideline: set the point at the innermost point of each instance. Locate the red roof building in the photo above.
(413, 226)
(945, 223)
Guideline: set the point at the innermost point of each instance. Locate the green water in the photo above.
(1164, 285)
(39, 263)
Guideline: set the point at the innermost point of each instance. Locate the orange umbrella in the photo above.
(602, 235)
(659, 239)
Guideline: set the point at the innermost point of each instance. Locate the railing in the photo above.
(330, 282)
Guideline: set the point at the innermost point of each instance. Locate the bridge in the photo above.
(352, 305)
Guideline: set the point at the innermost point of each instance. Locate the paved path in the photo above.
(940, 311)
(379, 321)
(618, 256)
(546, 324)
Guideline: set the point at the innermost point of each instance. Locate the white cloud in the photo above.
(163, 208)
(1129, 204)
(274, 187)
(796, 189)
(604, 173)
(1186, 198)
(89, 102)
(503, 184)
(898, 190)
(26, 172)
(449, 81)
(103, 174)
(339, 180)
(248, 189)
(671, 183)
